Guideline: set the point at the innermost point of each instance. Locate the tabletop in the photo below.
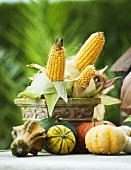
(47, 161)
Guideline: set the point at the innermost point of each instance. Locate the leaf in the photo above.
(102, 70)
(39, 86)
(108, 100)
(107, 90)
(99, 112)
(77, 90)
(110, 82)
(107, 86)
(69, 86)
(91, 90)
(61, 90)
(37, 66)
(51, 100)
(71, 70)
(30, 94)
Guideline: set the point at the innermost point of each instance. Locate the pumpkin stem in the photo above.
(64, 135)
(94, 119)
(59, 120)
(20, 150)
(101, 121)
(105, 123)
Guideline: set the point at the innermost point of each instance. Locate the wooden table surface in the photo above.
(46, 161)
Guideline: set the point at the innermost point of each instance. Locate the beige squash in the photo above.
(105, 139)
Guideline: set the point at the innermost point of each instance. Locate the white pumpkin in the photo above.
(127, 131)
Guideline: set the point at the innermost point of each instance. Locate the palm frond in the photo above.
(32, 31)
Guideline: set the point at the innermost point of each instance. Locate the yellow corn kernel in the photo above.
(85, 76)
(90, 51)
(56, 62)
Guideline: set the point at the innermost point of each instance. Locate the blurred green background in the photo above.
(27, 31)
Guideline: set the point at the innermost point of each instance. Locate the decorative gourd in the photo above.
(47, 123)
(82, 129)
(127, 131)
(127, 121)
(28, 138)
(60, 139)
(105, 139)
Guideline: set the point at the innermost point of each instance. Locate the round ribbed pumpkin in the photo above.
(82, 129)
(60, 139)
(105, 139)
(47, 123)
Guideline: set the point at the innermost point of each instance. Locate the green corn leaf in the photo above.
(51, 100)
(69, 86)
(37, 66)
(39, 86)
(77, 91)
(90, 89)
(102, 70)
(61, 90)
(108, 100)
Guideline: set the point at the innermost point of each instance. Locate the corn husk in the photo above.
(99, 112)
(51, 100)
(71, 70)
(108, 100)
(40, 85)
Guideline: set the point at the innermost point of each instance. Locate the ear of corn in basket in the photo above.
(86, 75)
(90, 51)
(91, 73)
(56, 62)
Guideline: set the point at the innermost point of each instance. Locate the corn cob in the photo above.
(56, 62)
(90, 51)
(85, 76)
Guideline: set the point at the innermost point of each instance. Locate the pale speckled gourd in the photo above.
(127, 131)
(28, 138)
(105, 139)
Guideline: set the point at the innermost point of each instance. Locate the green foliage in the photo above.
(10, 81)
(27, 32)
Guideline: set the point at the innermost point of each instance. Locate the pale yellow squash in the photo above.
(105, 139)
